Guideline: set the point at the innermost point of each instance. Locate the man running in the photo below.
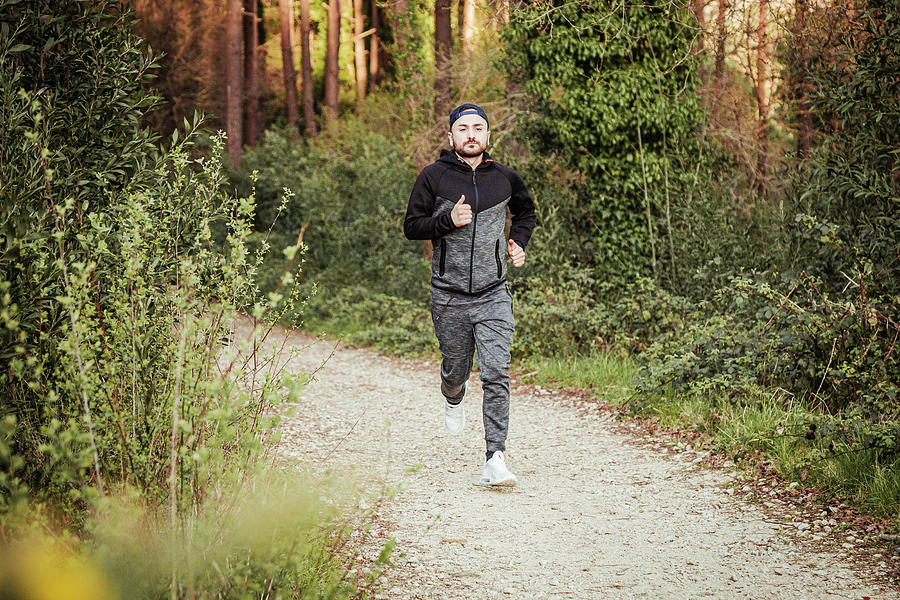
(459, 202)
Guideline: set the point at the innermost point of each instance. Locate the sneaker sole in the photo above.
(510, 481)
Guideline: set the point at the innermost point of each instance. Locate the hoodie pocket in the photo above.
(443, 257)
(497, 256)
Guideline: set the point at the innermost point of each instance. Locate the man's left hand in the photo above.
(515, 253)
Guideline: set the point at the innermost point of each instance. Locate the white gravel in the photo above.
(595, 515)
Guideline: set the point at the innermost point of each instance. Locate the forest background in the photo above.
(717, 193)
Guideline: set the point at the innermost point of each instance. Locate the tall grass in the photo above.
(277, 536)
(605, 375)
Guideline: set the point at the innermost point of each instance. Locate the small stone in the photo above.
(802, 526)
(848, 546)
(794, 485)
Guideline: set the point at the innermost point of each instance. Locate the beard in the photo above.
(469, 149)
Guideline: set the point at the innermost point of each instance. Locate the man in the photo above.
(459, 202)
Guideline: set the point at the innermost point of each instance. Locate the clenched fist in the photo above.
(461, 213)
(516, 254)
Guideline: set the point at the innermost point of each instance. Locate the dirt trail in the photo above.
(595, 515)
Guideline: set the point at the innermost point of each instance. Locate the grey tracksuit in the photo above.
(470, 301)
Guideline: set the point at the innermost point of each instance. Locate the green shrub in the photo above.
(847, 191)
(568, 312)
(132, 379)
(611, 90)
(349, 198)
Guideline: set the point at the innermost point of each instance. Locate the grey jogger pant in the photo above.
(463, 323)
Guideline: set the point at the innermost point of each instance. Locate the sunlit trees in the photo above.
(251, 73)
(234, 79)
(442, 50)
(333, 43)
(309, 112)
(287, 61)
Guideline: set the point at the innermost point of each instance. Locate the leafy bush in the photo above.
(569, 312)
(349, 198)
(131, 380)
(847, 192)
(835, 357)
(611, 89)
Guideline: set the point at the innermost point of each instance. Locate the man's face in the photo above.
(469, 135)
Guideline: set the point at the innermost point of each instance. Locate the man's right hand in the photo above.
(461, 213)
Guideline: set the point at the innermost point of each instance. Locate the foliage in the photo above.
(366, 317)
(612, 89)
(115, 301)
(131, 382)
(349, 200)
(849, 189)
(571, 313)
(281, 536)
(834, 356)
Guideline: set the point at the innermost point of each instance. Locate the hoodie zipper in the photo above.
(474, 224)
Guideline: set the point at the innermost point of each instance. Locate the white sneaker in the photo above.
(496, 473)
(455, 414)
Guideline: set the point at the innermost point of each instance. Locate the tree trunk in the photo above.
(442, 40)
(374, 49)
(332, 45)
(801, 83)
(359, 50)
(466, 25)
(399, 9)
(287, 62)
(234, 88)
(309, 107)
(251, 73)
(762, 58)
(724, 5)
(698, 7)
(503, 11)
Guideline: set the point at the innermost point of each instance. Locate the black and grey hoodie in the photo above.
(469, 259)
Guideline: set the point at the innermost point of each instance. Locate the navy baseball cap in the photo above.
(467, 109)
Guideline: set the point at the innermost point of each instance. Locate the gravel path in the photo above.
(595, 515)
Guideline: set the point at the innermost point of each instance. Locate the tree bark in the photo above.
(466, 25)
(399, 9)
(287, 62)
(442, 41)
(503, 8)
(698, 7)
(801, 79)
(251, 73)
(309, 107)
(724, 6)
(374, 49)
(359, 50)
(762, 58)
(234, 88)
(332, 45)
